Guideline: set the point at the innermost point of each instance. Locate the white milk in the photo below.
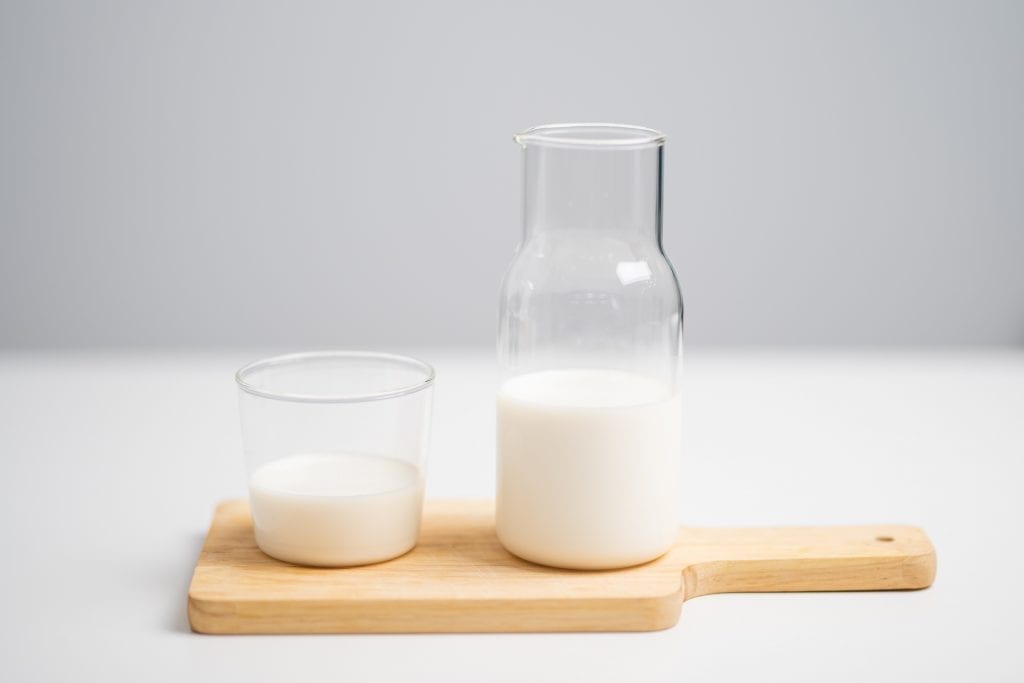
(335, 510)
(588, 467)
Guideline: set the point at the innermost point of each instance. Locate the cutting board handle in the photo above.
(883, 557)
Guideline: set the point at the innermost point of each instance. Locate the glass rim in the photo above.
(304, 357)
(591, 136)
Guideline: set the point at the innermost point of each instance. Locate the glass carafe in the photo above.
(589, 344)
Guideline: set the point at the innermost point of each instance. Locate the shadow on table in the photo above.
(175, 584)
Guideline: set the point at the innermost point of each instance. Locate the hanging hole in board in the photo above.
(885, 539)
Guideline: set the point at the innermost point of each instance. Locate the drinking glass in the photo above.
(336, 450)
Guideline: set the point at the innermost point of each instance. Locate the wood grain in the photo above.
(460, 579)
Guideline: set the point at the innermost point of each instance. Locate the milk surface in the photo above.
(335, 510)
(588, 467)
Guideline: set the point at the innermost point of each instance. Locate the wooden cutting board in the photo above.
(460, 579)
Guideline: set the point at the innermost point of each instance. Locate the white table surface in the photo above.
(113, 463)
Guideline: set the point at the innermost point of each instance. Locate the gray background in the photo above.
(304, 174)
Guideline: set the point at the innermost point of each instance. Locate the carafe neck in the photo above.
(586, 179)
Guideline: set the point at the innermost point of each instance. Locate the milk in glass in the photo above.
(331, 509)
